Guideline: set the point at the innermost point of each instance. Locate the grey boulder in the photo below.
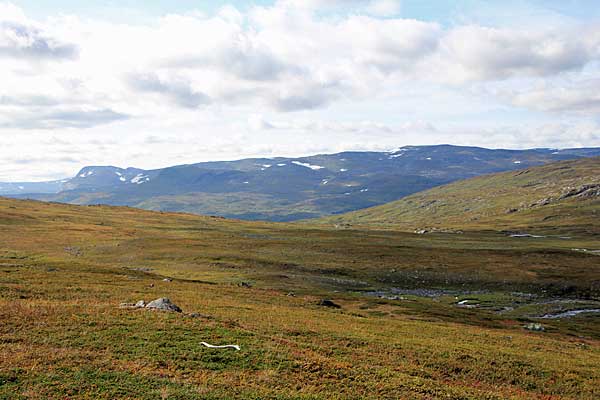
(163, 304)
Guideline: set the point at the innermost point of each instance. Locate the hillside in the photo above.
(287, 189)
(558, 196)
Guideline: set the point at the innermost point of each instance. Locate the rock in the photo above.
(74, 251)
(329, 303)
(291, 294)
(167, 280)
(198, 315)
(534, 327)
(163, 304)
(245, 284)
(139, 304)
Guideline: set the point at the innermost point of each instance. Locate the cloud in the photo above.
(471, 53)
(28, 100)
(180, 91)
(59, 118)
(256, 122)
(582, 97)
(239, 58)
(306, 96)
(26, 42)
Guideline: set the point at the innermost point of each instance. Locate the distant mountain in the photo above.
(286, 189)
(15, 188)
(562, 196)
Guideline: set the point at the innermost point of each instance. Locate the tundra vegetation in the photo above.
(319, 311)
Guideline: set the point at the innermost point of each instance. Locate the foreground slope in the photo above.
(65, 269)
(286, 189)
(555, 197)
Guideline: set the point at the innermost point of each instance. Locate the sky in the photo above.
(149, 84)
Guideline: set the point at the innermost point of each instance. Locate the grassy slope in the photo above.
(484, 202)
(64, 270)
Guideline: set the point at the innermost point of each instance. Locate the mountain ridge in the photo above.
(287, 189)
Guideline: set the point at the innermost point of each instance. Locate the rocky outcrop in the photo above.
(584, 191)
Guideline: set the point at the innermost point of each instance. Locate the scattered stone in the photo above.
(534, 327)
(74, 251)
(542, 202)
(140, 304)
(245, 284)
(167, 280)
(198, 315)
(163, 304)
(291, 294)
(329, 303)
(342, 226)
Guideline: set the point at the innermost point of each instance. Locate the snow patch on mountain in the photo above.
(140, 178)
(307, 165)
(86, 174)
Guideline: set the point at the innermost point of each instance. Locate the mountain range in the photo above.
(287, 189)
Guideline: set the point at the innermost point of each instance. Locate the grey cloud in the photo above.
(179, 91)
(298, 102)
(55, 119)
(244, 62)
(395, 44)
(308, 97)
(34, 160)
(20, 41)
(28, 101)
(580, 97)
(493, 54)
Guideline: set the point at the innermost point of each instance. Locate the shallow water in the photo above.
(572, 313)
